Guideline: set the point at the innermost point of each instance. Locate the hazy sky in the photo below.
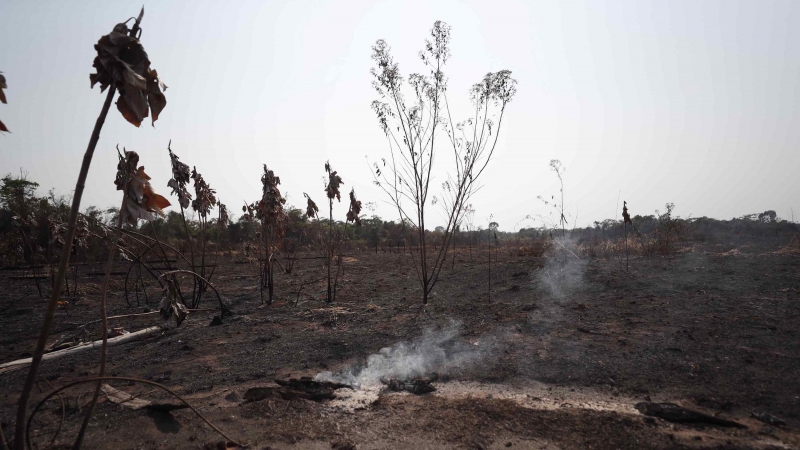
(691, 102)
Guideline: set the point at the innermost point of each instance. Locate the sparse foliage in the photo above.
(140, 200)
(205, 197)
(355, 209)
(411, 130)
(180, 178)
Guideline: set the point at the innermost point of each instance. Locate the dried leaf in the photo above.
(171, 306)
(3, 99)
(180, 178)
(312, 210)
(140, 198)
(334, 181)
(625, 216)
(205, 199)
(223, 219)
(355, 209)
(155, 94)
(2, 86)
(122, 62)
(270, 208)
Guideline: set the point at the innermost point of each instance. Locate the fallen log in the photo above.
(22, 363)
(678, 414)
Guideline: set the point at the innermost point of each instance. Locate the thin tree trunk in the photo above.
(22, 410)
(626, 247)
(201, 284)
(191, 253)
(104, 336)
(330, 249)
(490, 266)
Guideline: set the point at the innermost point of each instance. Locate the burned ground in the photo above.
(560, 356)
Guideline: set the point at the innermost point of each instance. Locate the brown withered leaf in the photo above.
(3, 99)
(355, 209)
(2, 86)
(625, 216)
(270, 207)
(334, 181)
(223, 219)
(312, 210)
(205, 198)
(180, 178)
(155, 94)
(140, 199)
(121, 61)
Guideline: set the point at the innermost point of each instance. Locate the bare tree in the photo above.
(411, 130)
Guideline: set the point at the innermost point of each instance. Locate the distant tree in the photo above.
(17, 194)
(768, 216)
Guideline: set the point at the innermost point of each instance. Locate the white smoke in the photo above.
(563, 271)
(436, 351)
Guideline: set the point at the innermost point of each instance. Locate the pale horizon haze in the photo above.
(691, 102)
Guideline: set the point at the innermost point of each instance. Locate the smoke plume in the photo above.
(436, 351)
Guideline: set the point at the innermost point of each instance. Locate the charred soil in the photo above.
(565, 354)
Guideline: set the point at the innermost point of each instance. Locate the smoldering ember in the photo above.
(573, 227)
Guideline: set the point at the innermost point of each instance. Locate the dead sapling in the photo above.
(202, 204)
(180, 179)
(332, 191)
(626, 219)
(312, 212)
(353, 214)
(122, 64)
(270, 212)
(560, 208)
(222, 222)
(139, 202)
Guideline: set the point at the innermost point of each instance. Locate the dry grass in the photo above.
(536, 248)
